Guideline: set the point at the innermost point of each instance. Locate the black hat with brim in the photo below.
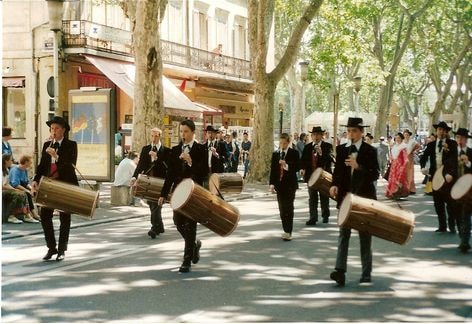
(60, 121)
(462, 132)
(317, 129)
(210, 128)
(442, 125)
(355, 122)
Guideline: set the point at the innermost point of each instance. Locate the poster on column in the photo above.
(91, 117)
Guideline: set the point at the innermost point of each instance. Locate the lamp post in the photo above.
(55, 24)
(357, 88)
(304, 65)
(281, 110)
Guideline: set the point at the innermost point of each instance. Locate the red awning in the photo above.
(18, 82)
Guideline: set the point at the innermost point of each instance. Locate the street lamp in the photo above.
(357, 88)
(55, 24)
(281, 110)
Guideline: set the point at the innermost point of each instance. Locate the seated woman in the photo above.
(14, 200)
(19, 180)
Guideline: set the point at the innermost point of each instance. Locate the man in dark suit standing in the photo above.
(153, 161)
(189, 159)
(442, 152)
(463, 210)
(216, 151)
(58, 158)
(283, 181)
(356, 169)
(317, 154)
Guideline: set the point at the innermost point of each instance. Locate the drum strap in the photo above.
(217, 190)
(83, 177)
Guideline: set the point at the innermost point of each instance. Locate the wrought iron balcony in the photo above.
(89, 35)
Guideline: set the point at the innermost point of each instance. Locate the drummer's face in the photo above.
(354, 133)
(56, 131)
(441, 132)
(155, 137)
(186, 134)
(461, 140)
(283, 144)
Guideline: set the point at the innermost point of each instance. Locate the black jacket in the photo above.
(179, 169)
(324, 161)
(157, 168)
(217, 163)
(67, 158)
(449, 158)
(361, 182)
(289, 180)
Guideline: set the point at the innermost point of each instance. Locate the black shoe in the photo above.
(196, 252)
(152, 234)
(185, 267)
(49, 255)
(325, 220)
(60, 256)
(441, 230)
(339, 277)
(452, 231)
(365, 279)
(161, 230)
(311, 222)
(464, 248)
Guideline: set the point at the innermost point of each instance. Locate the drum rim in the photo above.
(318, 171)
(172, 199)
(214, 182)
(454, 193)
(347, 203)
(438, 175)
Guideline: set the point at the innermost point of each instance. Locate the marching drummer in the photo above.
(464, 211)
(216, 151)
(356, 169)
(317, 154)
(188, 159)
(442, 152)
(153, 161)
(58, 157)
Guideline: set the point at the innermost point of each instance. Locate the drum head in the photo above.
(315, 176)
(462, 186)
(182, 193)
(438, 179)
(345, 209)
(214, 182)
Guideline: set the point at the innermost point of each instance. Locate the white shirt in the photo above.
(439, 153)
(124, 172)
(53, 160)
(210, 153)
(397, 148)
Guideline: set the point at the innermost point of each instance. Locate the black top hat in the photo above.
(442, 125)
(355, 122)
(462, 132)
(210, 128)
(317, 129)
(60, 121)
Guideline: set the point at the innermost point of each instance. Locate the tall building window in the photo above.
(222, 30)
(200, 30)
(240, 38)
(173, 25)
(13, 107)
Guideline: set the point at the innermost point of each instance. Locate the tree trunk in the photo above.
(383, 108)
(297, 101)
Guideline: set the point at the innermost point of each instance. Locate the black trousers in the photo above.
(188, 229)
(48, 228)
(156, 217)
(285, 200)
(443, 202)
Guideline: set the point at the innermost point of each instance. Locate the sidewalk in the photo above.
(106, 213)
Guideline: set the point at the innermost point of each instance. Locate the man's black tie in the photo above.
(282, 155)
(154, 148)
(462, 152)
(440, 145)
(55, 146)
(353, 149)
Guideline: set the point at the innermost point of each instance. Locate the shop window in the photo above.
(14, 110)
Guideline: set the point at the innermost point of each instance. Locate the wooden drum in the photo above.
(200, 205)
(462, 189)
(147, 187)
(321, 180)
(438, 179)
(66, 197)
(376, 218)
(226, 183)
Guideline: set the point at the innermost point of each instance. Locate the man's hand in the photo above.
(132, 182)
(424, 171)
(464, 158)
(52, 152)
(272, 189)
(302, 173)
(186, 157)
(333, 191)
(352, 162)
(448, 178)
(160, 202)
(34, 187)
(153, 155)
(213, 152)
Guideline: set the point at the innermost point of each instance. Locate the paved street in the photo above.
(114, 272)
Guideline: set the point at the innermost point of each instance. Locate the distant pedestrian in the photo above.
(355, 171)
(245, 148)
(411, 148)
(283, 181)
(382, 155)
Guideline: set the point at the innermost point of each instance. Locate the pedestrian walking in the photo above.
(382, 155)
(317, 154)
(245, 148)
(58, 159)
(283, 181)
(442, 152)
(411, 147)
(355, 171)
(188, 159)
(154, 162)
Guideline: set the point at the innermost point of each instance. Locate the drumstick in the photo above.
(82, 176)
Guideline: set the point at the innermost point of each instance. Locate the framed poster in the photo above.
(91, 117)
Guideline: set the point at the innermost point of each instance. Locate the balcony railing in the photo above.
(86, 34)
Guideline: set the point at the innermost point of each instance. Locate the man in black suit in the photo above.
(216, 151)
(356, 169)
(153, 161)
(464, 211)
(58, 158)
(283, 181)
(442, 152)
(317, 154)
(189, 159)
